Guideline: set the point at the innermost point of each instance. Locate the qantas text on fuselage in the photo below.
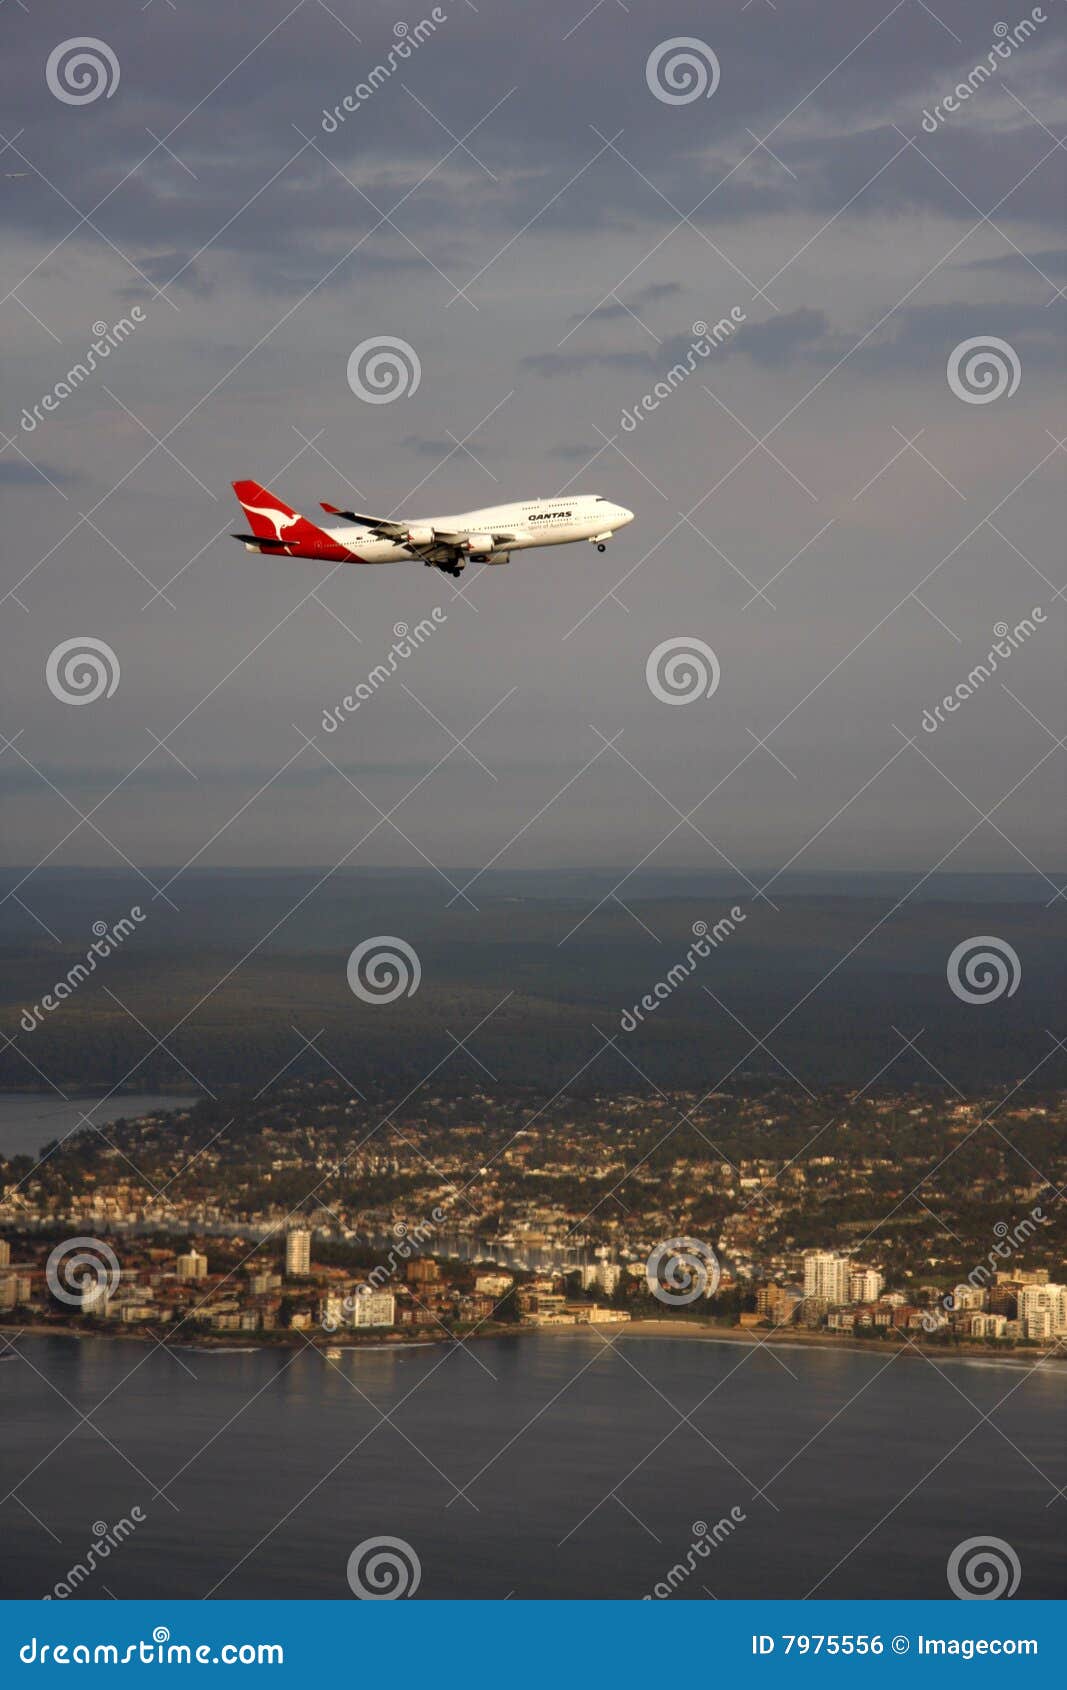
(447, 543)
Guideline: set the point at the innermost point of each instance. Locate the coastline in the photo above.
(796, 1339)
(687, 1331)
(244, 1343)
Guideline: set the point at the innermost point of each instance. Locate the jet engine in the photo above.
(419, 536)
(479, 543)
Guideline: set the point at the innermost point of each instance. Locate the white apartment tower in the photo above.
(1043, 1311)
(827, 1275)
(297, 1253)
(865, 1285)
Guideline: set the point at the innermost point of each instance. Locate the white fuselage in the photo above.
(532, 522)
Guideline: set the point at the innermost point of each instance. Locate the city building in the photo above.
(193, 1265)
(373, 1308)
(988, 1326)
(826, 1276)
(865, 1285)
(968, 1297)
(1043, 1311)
(297, 1253)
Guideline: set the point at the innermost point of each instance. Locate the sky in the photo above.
(540, 203)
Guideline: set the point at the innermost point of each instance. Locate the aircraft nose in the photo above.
(625, 515)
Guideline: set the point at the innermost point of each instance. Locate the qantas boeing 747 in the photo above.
(447, 543)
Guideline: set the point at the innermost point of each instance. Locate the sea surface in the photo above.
(539, 1465)
(29, 1120)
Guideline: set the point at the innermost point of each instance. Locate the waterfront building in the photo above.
(988, 1326)
(193, 1265)
(865, 1285)
(374, 1308)
(826, 1276)
(1043, 1311)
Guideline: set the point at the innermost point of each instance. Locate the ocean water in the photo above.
(29, 1120)
(540, 1465)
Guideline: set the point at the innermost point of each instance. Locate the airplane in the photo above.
(447, 543)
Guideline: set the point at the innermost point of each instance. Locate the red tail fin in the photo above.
(270, 518)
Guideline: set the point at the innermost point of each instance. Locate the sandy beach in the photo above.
(795, 1339)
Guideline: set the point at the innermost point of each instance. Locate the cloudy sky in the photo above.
(519, 202)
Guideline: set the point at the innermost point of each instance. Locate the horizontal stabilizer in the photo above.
(262, 542)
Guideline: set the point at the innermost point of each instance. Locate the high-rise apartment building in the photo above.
(297, 1253)
(826, 1275)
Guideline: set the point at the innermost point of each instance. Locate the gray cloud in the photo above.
(839, 254)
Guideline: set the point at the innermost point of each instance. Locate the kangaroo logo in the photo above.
(279, 518)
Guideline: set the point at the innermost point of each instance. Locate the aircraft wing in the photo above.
(440, 545)
(378, 524)
(444, 538)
